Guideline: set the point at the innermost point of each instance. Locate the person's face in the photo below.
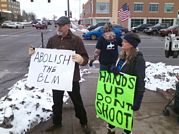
(62, 29)
(126, 46)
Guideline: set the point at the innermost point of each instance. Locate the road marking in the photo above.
(5, 72)
(152, 47)
(90, 44)
(5, 35)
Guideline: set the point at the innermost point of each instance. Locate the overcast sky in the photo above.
(57, 7)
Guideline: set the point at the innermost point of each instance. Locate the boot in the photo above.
(111, 131)
(86, 129)
(53, 127)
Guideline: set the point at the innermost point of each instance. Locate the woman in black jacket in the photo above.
(131, 62)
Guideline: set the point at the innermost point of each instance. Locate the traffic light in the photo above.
(14, 0)
(49, 1)
(32, 0)
(65, 13)
(70, 14)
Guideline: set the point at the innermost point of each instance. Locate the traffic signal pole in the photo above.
(68, 8)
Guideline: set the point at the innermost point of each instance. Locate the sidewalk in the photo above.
(149, 120)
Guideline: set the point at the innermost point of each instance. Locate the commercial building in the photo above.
(10, 9)
(141, 11)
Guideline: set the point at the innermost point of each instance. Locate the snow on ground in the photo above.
(160, 76)
(24, 107)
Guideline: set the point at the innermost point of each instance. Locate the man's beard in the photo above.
(59, 33)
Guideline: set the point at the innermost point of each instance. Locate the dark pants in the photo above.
(77, 101)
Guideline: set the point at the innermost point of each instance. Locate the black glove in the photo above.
(137, 101)
(114, 70)
(91, 63)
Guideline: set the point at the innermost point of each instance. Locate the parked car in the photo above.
(5, 24)
(15, 25)
(40, 26)
(123, 29)
(98, 32)
(169, 30)
(97, 25)
(141, 27)
(156, 28)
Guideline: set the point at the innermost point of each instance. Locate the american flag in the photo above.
(124, 13)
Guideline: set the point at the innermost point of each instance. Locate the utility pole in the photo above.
(68, 8)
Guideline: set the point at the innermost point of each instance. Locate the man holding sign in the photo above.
(120, 93)
(66, 40)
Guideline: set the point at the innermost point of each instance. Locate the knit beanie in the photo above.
(133, 39)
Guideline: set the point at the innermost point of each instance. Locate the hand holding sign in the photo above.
(31, 50)
(77, 58)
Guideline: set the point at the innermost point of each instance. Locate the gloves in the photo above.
(138, 101)
(77, 58)
(91, 62)
(31, 50)
(114, 70)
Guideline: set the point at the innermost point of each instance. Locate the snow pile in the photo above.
(27, 106)
(160, 76)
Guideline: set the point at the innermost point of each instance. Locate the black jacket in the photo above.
(137, 68)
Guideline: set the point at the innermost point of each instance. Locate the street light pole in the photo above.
(68, 8)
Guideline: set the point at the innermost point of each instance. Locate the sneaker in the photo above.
(111, 131)
(86, 129)
(53, 127)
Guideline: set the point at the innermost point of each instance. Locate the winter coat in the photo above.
(136, 68)
(70, 42)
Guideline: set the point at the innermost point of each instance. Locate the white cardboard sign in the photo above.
(51, 69)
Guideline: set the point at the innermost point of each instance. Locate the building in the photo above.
(96, 11)
(141, 11)
(10, 9)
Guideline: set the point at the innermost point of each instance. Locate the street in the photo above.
(14, 58)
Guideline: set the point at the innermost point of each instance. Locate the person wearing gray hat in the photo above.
(62, 21)
(131, 61)
(65, 39)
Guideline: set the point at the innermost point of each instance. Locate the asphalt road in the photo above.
(14, 58)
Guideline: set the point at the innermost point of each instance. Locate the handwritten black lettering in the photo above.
(131, 83)
(118, 91)
(119, 103)
(55, 80)
(49, 69)
(40, 77)
(108, 99)
(66, 59)
(105, 110)
(119, 117)
(99, 96)
(127, 116)
(109, 78)
(36, 57)
(102, 76)
(46, 79)
(59, 58)
(108, 90)
(98, 105)
(129, 106)
(112, 114)
(124, 81)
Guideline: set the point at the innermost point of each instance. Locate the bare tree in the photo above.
(54, 17)
(32, 16)
(25, 15)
